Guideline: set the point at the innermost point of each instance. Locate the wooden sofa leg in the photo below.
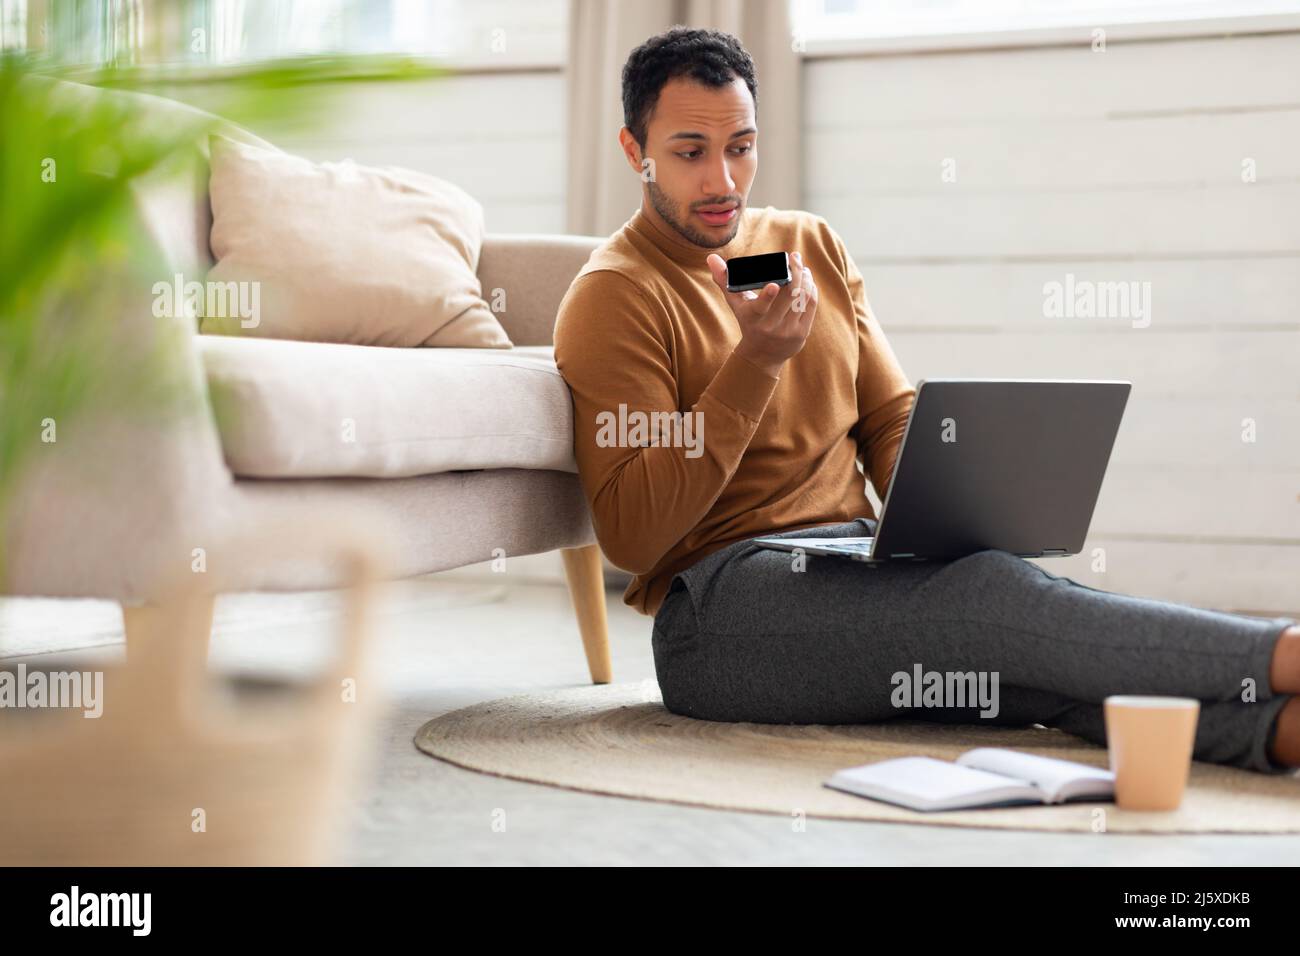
(187, 622)
(586, 576)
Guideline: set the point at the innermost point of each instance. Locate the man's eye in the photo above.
(738, 150)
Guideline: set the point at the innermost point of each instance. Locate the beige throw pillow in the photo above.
(343, 253)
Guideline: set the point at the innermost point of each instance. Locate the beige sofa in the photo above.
(456, 456)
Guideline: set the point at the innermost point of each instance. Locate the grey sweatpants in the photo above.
(742, 636)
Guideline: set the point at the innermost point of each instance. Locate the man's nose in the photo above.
(719, 182)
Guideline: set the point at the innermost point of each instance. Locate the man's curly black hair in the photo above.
(710, 57)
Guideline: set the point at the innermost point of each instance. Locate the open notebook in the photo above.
(983, 777)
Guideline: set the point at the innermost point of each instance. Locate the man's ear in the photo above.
(631, 149)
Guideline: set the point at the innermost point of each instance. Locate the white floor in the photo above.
(443, 643)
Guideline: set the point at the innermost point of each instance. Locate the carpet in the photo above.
(618, 740)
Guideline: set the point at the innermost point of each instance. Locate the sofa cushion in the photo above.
(322, 410)
(344, 253)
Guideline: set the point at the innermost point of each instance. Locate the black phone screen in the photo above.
(757, 270)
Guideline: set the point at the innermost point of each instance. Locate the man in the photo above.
(704, 419)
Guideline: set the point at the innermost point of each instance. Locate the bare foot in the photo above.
(1286, 743)
(1284, 671)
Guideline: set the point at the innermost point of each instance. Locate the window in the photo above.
(885, 19)
(220, 32)
(13, 24)
(508, 30)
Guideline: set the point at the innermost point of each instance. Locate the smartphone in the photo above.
(754, 272)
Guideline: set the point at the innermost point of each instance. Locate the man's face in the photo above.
(704, 144)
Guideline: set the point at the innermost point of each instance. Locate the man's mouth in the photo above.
(718, 215)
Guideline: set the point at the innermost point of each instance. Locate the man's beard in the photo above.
(664, 206)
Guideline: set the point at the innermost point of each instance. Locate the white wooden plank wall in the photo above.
(1119, 166)
(499, 136)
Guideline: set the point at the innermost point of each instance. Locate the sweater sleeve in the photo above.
(613, 350)
(884, 394)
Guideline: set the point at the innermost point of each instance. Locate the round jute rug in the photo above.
(618, 739)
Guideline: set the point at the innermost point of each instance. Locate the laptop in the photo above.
(1010, 464)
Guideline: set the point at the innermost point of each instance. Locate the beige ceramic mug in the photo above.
(1150, 741)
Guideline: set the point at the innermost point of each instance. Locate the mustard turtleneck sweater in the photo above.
(644, 332)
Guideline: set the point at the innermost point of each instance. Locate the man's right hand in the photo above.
(774, 321)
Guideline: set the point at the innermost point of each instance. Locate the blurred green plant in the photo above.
(74, 253)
